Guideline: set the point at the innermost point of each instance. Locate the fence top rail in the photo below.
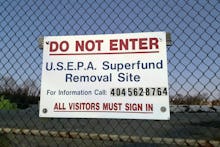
(111, 137)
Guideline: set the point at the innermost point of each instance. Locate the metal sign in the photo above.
(121, 76)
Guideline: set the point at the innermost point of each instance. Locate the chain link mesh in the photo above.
(193, 64)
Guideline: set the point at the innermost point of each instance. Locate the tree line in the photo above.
(23, 95)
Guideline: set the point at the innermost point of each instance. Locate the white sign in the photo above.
(120, 76)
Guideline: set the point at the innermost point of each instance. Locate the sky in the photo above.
(193, 58)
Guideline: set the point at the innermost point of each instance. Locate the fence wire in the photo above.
(193, 66)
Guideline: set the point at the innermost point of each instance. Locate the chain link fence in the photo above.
(193, 64)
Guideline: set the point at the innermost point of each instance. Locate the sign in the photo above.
(122, 76)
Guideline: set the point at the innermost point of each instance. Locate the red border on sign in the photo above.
(104, 53)
(106, 111)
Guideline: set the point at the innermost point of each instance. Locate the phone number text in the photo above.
(139, 91)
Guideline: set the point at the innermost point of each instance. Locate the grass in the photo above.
(4, 141)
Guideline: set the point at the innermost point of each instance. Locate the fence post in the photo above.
(41, 42)
(168, 39)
